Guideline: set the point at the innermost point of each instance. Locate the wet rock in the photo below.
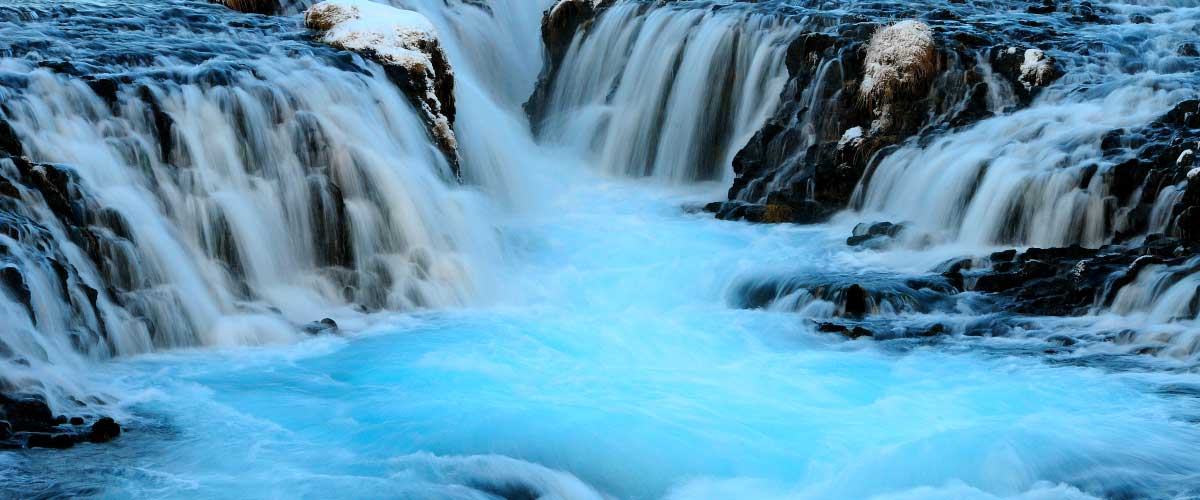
(76, 420)
(10, 144)
(1067, 281)
(900, 62)
(323, 327)
(855, 302)
(26, 413)
(6, 429)
(104, 430)
(853, 333)
(1188, 49)
(53, 441)
(864, 233)
(251, 6)
(1046, 7)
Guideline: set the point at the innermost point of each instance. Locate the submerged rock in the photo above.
(407, 45)
(325, 326)
(874, 235)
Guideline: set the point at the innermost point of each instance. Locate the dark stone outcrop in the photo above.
(561, 23)
(429, 85)
(822, 142)
(326, 326)
(1072, 281)
(27, 421)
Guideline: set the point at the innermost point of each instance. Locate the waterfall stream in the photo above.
(195, 187)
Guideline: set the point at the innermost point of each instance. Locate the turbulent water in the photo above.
(556, 325)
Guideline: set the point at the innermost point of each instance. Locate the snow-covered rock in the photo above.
(407, 45)
(1038, 69)
(852, 136)
(901, 60)
(1186, 158)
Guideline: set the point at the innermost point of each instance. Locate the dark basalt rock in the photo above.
(1069, 281)
(854, 295)
(104, 430)
(851, 332)
(26, 413)
(54, 441)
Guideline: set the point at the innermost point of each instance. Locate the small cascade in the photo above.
(668, 92)
(1051, 174)
(173, 202)
(1162, 294)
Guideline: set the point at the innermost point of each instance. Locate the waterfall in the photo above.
(220, 201)
(668, 92)
(1039, 176)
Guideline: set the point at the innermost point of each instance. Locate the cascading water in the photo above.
(242, 192)
(1039, 176)
(671, 93)
(202, 177)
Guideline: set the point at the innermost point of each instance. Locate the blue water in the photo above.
(613, 368)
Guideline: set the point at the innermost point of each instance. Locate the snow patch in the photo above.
(1038, 69)
(900, 60)
(851, 136)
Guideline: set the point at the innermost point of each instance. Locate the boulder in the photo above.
(104, 430)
